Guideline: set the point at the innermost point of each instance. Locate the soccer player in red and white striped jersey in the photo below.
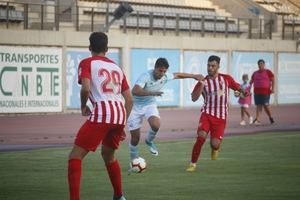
(215, 90)
(105, 84)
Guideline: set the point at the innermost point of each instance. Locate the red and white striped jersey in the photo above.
(216, 93)
(108, 81)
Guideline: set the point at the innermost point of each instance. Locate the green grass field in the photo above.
(264, 166)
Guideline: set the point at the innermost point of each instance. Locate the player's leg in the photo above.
(110, 144)
(217, 132)
(154, 123)
(133, 144)
(200, 140)
(86, 140)
(215, 144)
(134, 123)
(202, 133)
(113, 170)
(153, 118)
(74, 170)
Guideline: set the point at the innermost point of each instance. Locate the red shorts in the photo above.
(91, 134)
(212, 125)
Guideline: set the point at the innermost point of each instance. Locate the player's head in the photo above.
(213, 64)
(261, 64)
(160, 68)
(98, 42)
(245, 77)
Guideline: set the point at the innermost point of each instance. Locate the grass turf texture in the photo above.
(263, 166)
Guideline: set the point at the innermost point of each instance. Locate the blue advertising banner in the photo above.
(288, 78)
(246, 63)
(74, 56)
(144, 59)
(196, 62)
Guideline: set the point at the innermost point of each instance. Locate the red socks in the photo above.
(114, 173)
(74, 174)
(197, 149)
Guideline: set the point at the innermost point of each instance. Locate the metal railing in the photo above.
(82, 18)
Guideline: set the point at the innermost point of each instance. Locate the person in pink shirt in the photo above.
(264, 85)
(245, 102)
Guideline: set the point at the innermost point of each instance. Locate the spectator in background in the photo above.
(264, 85)
(245, 102)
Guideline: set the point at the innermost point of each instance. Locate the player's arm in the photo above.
(84, 96)
(128, 102)
(232, 84)
(197, 91)
(139, 91)
(197, 77)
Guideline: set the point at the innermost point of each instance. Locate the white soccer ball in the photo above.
(138, 165)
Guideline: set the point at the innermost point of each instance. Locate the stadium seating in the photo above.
(10, 13)
(247, 18)
(160, 15)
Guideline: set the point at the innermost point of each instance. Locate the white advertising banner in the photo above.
(30, 79)
(288, 78)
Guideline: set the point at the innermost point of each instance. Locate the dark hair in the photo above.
(98, 42)
(260, 60)
(214, 58)
(161, 62)
(245, 76)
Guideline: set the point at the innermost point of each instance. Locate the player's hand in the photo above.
(272, 91)
(123, 136)
(198, 77)
(237, 93)
(85, 111)
(159, 93)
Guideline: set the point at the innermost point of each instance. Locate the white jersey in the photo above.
(107, 83)
(148, 83)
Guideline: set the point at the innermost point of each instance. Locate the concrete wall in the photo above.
(126, 42)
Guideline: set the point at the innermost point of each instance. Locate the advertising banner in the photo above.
(74, 56)
(30, 79)
(288, 78)
(144, 59)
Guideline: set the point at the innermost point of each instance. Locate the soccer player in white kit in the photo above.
(146, 88)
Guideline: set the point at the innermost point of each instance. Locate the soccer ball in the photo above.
(138, 165)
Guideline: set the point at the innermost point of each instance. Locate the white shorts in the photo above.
(244, 105)
(138, 113)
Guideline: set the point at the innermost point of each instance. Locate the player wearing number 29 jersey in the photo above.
(107, 83)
